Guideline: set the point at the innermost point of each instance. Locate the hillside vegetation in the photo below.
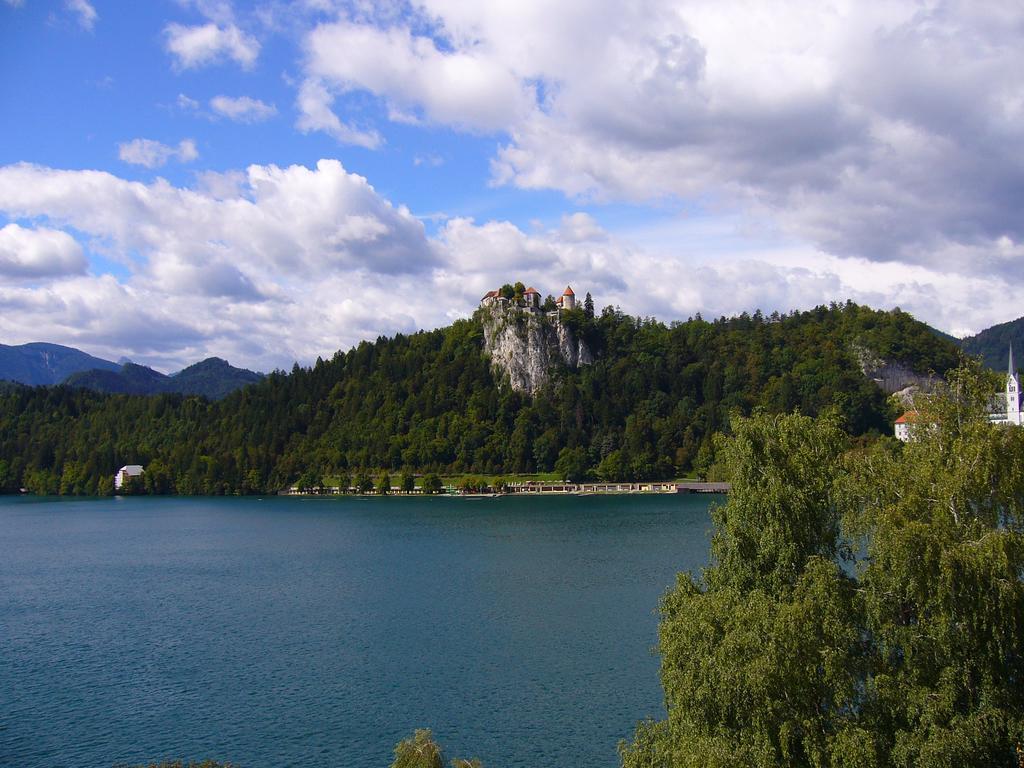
(213, 378)
(429, 402)
(993, 344)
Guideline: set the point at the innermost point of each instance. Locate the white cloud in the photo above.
(315, 114)
(466, 88)
(153, 154)
(243, 109)
(83, 9)
(186, 103)
(38, 253)
(276, 264)
(200, 45)
(887, 131)
(284, 264)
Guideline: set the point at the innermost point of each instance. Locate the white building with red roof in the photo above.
(904, 424)
(567, 300)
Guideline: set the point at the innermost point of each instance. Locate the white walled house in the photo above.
(125, 473)
(902, 427)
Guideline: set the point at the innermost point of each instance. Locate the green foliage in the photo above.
(421, 751)
(430, 403)
(908, 655)
(408, 482)
(993, 343)
(364, 483)
(572, 464)
(384, 484)
(432, 484)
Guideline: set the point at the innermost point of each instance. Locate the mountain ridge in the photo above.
(213, 377)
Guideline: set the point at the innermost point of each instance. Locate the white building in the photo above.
(1011, 414)
(126, 472)
(567, 300)
(903, 425)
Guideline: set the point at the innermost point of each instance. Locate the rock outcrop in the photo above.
(894, 378)
(528, 346)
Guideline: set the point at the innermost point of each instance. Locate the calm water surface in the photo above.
(319, 632)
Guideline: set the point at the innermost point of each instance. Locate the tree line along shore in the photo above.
(647, 408)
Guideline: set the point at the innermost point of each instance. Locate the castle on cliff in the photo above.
(530, 300)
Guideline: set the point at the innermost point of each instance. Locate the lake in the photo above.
(319, 632)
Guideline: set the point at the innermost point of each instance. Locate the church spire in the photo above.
(1012, 371)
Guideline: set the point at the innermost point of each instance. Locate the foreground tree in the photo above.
(910, 654)
(421, 751)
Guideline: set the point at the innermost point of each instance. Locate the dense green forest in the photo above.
(430, 402)
(993, 344)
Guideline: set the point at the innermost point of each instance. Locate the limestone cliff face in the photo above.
(528, 346)
(894, 378)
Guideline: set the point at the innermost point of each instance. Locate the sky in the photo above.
(272, 181)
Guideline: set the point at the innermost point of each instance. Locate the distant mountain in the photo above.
(41, 363)
(213, 378)
(993, 344)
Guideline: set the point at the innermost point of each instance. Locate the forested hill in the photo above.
(993, 344)
(213, 378)
(429, 401)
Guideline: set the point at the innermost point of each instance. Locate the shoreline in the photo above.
(539, 489)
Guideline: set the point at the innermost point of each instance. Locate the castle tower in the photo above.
(568, 300)
(1013, 415)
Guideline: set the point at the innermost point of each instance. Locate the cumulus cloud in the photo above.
(242, 109)
(199, 45)
(38, 253)
(885, 131)
(315, 114)
(84, 11)
(276, 265)
(153, 154)
(466, 87)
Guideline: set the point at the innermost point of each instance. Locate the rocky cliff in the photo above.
(893, 377)
(529, 346)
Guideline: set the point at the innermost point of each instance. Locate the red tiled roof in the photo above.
(490, 295)
(530, 290)
(907, 418)
(568, 291)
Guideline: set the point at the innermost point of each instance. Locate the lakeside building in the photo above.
(125, 473)
(1005, 407)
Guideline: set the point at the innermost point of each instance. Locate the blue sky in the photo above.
(271, 181)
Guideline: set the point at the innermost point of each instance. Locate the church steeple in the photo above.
(1013, 413)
